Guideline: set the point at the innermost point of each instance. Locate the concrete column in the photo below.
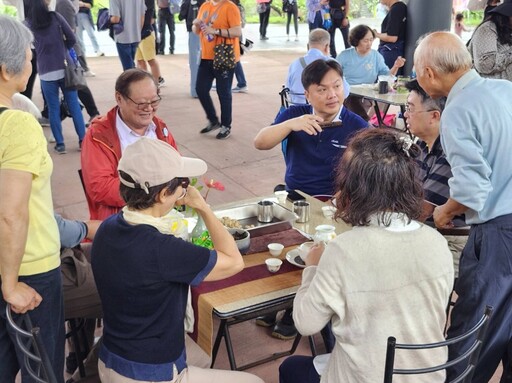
(424, 16)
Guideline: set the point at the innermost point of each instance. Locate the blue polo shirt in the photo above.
(311, 160)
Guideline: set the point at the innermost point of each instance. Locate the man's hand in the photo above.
(22, 298)
(442, 219)
(308, 123)
(315, 253)
(399, 62)
(344, 22)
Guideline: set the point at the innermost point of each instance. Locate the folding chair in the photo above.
(37, 362)
(472, 353)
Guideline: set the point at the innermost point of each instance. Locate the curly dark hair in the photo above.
(377, 175)
(358, 33)
(137, 199)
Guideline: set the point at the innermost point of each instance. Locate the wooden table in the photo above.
(391, 98)
(256, 292)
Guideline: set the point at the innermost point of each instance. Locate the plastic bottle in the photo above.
(327, 19)
(209, 36)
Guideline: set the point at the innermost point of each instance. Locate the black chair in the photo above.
(37, 362)
(472, 353)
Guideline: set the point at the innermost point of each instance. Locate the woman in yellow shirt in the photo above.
(29, 237)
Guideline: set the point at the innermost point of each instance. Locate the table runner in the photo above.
(253, 281)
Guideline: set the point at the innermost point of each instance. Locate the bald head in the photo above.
(318, 38)
(444, 52)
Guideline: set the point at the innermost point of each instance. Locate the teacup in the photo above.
(273, 264)
(304, 250)
(275, 249)
(281, 195)
(328, 211)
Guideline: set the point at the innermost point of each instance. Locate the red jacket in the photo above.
(101, 151)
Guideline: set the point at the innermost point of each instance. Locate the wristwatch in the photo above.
(218, 31)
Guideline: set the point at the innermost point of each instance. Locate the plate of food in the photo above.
(294, 258)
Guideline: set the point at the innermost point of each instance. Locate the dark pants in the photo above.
(298, 369)
(85, 96)
(318, 23)
(241, 82)
(294, 12)
(30, 84)
(166, 18)
(336, 24)
(126, 54)
(264, 18)
(223, 79)
(485, 278)
(391, 51)
(48, 316)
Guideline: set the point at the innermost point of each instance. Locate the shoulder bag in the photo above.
(74, 77)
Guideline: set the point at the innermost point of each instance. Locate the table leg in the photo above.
(216, 345)
(229, 348)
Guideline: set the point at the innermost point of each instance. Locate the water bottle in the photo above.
(209, 36)
(327, 19)
(73, 55)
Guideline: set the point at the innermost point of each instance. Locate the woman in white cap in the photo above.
(143, 271)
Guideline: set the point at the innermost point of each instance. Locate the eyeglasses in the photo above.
(184, 182)
(410, 111)
(144, 105)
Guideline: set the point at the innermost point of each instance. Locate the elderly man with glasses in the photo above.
(423, 115)
(137, 99)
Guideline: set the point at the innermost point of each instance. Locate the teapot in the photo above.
(324, 233)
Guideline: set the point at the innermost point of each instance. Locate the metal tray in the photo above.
(248, 215)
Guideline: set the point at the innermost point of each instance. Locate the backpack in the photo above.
(103, 21)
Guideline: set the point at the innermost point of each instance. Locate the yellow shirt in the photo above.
(23, 147)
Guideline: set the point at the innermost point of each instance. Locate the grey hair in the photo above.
(444, 52)
(318, 37)
(16, 38)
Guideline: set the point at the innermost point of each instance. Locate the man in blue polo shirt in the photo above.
(313, 138)
(312, 147)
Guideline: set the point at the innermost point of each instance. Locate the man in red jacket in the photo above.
(137, 101)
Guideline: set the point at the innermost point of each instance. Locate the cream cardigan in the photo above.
(373, 283)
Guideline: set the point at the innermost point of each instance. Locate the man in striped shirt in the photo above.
(423, 116)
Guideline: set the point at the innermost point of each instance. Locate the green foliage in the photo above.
(8, 10)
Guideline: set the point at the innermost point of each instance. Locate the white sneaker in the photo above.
(100, 54)
(89, 73)
(242, 89)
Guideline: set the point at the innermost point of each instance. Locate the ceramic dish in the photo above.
(294, 258)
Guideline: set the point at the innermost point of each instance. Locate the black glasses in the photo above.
(144, 105)
(184, 182)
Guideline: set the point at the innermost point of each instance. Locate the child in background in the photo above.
(459, 25)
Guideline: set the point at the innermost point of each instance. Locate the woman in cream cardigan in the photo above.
(389, 275)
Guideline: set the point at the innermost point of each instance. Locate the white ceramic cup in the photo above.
(275, 249)
(281, 196)
(273, 264)
(304, 250)
(328, 211)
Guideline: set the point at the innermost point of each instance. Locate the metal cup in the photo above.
(301, 208)
(265, 211)
(383, 87)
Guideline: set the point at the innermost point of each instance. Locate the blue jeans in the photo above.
(194, 57)
(224, 80)
(49, 316)
(126, 54)
(240, 76)
(51, 95)
(83, 22)
(485, 278)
